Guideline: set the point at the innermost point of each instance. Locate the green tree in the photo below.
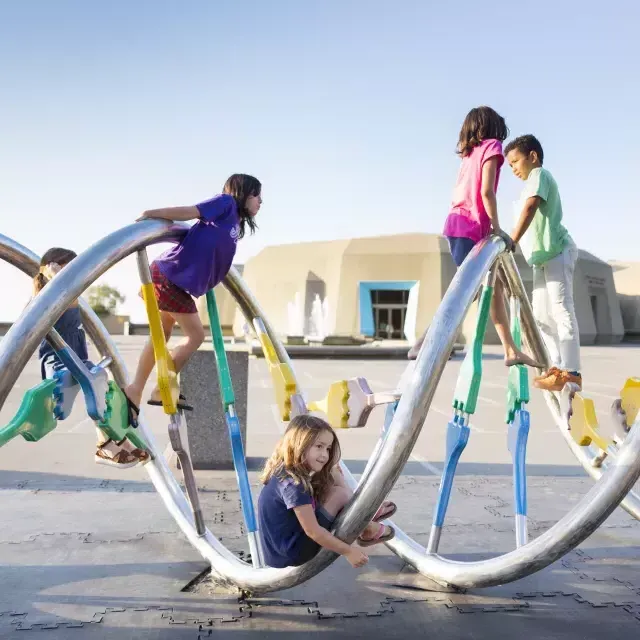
(104, 299)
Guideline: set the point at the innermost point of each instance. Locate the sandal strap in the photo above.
(121, 457)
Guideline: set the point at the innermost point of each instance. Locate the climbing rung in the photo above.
(233, 427)
(180, 444)
(35, 417)
(583, 423)
(465, 397)
(334, 405)
(115, 424)
(518, 377)
(457, 438)
(284, 382)
(630, 400)
(167, 377)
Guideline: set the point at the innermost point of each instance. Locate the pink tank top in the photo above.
(467, 216)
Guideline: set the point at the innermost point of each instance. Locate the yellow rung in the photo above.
(284, 382)
(335, 405)
(167, 377)
(630, 400)
(584, 423)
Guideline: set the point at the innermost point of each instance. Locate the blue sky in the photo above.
(347, 110)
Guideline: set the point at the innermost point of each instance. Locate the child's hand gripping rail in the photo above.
(518, 421)
(288, 398)
(235, 435)
(167, 377)
(35, 417)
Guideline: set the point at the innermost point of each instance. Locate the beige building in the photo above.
(390, 287)
(627, 278)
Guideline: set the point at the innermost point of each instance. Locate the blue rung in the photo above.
(390, 411)
(457, 438)
(94, 382)
(517, 442)
(242, 477)
(64, 393)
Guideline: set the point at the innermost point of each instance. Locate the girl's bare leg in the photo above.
(147, 362)
(194, 336)
(512, 355)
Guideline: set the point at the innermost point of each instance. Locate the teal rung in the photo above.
(518, 377)
(465, 397)
(224, 376)
(35, 417)
(115, 424)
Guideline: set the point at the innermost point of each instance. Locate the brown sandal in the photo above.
(121, 458)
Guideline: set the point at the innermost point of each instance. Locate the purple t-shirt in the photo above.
(205, 255)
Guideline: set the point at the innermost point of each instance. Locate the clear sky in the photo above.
(347, 110)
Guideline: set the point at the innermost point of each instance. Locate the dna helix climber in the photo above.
(615, 464)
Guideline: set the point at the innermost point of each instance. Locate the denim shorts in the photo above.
(460, 248)
(308, 548)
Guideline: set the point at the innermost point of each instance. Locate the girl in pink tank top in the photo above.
(473, 214)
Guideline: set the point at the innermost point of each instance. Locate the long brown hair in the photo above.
(288, 457)
(56, 255)
(481, 123)
(241, 186)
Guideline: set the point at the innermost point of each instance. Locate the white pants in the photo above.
(554, 310)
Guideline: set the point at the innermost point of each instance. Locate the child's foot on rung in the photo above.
(112, 454)
(142, 455)
(550, 372)
(558, 379)
(381, 533)
(156, 401)
(518, 357)
(133, 404)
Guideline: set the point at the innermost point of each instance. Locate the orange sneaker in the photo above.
(556, 380)
(549, 372)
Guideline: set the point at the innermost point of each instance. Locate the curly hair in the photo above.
(481, 123)
(525, 145)
(289, 455)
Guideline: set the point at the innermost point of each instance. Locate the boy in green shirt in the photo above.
(550, 250)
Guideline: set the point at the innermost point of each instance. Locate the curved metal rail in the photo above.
(582, 520)
(45, 309)
(391, 454)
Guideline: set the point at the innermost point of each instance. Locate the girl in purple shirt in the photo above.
(196, 264)
(473, 214)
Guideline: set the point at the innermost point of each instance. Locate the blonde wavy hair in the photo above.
(289, 455)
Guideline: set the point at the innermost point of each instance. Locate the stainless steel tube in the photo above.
(567, 533)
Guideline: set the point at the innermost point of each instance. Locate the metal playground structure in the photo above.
(613, 464)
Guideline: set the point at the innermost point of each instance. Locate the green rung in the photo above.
(518, 377)
(116, 418)
(465, 397)
(224, 376)
(35, 416)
